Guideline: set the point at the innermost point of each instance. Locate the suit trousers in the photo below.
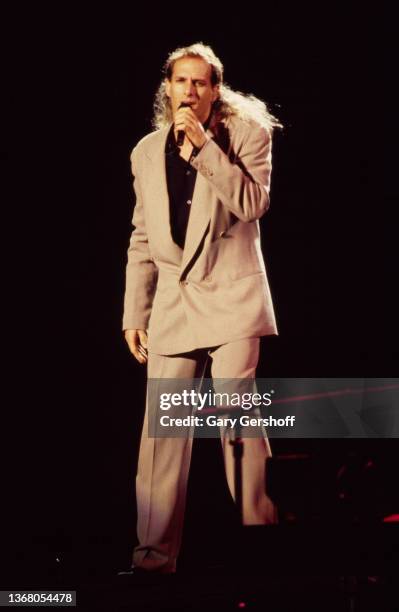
(163, 464)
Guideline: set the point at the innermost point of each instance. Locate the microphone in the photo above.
(181, 133)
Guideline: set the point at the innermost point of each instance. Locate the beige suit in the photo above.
(216, 290)
(210, 300)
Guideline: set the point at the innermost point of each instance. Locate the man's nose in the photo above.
(190, 88)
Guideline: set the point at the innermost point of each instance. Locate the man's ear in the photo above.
(216, 93)
(167, 87)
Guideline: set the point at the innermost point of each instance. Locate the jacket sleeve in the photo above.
(243, 187)
(141, 271)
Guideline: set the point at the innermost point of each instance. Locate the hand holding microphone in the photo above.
(187, 124)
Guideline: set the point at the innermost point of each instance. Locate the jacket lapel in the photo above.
(160, 193)
(199, 218)
(159, 186)
(200, 212)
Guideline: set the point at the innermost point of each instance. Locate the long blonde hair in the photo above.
(230, 103)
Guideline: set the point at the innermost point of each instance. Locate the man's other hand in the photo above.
(137, 343)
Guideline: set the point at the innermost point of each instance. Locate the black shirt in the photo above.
(180, 177)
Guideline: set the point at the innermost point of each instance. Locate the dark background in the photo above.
(82, 98)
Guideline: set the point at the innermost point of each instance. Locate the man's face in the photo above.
(191, 82)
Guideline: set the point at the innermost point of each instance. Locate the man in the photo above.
(196, 285)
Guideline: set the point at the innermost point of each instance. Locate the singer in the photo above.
(196, 284)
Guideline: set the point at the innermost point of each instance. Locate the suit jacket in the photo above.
(215, 290)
